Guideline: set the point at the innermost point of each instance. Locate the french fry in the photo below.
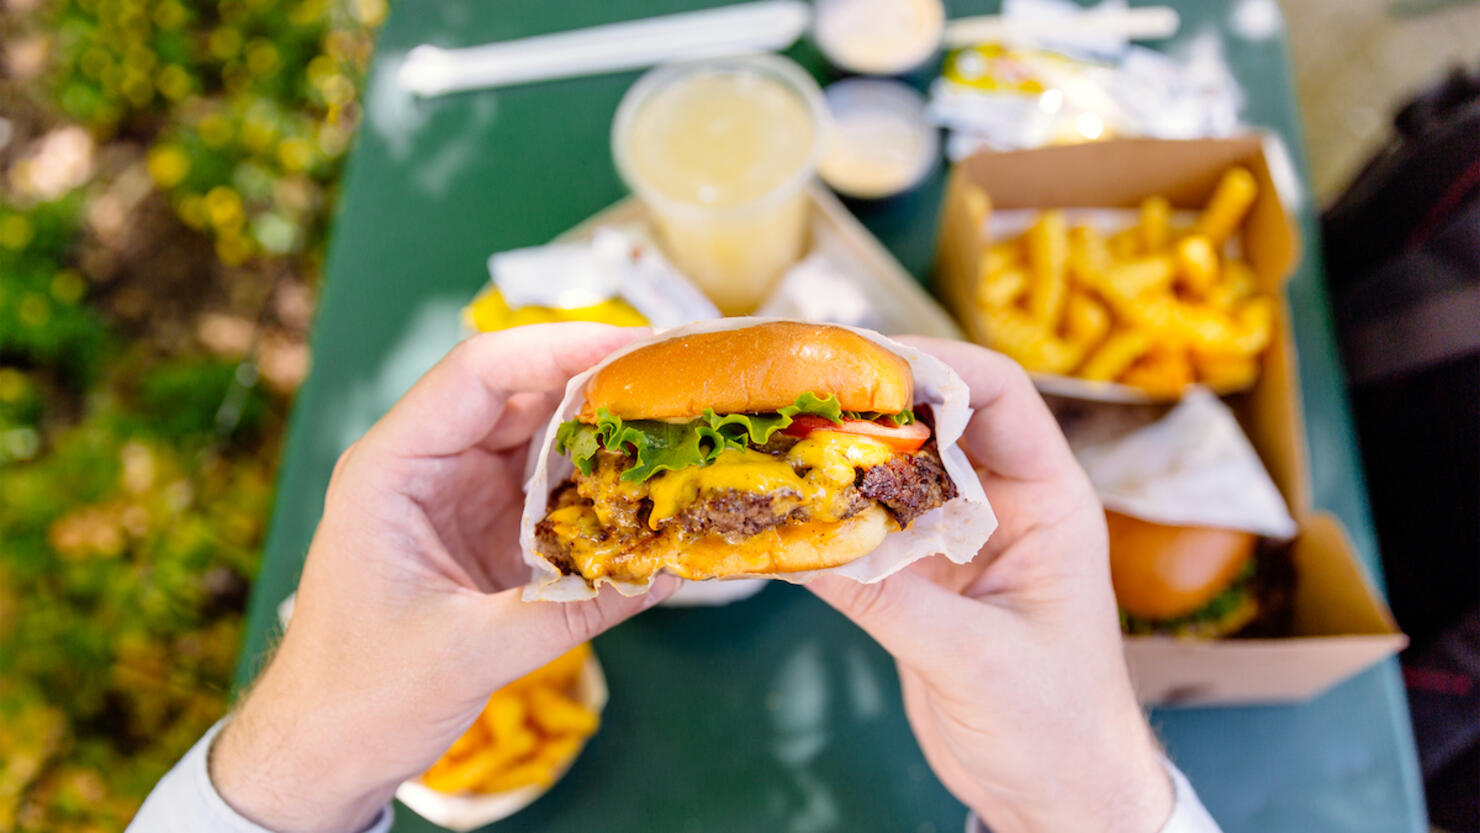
(520, 775)
(557, 714)
(505, 714)
(1156, 224)
(1115, 355)
(1224, 373)
(1155, 305)
(1001, 255)
(1125, 243)
(1202, 326)
(1197, 264)
(1034, 347)
(1089, 254)
(1236, 283)
(1002, 289)
(476, 736)
(1129, 279)
(1164, 371)
(1048, 256)
(1086, 321)
(1253, 326)
(463, 774)
(1226, 208)
(561, 671)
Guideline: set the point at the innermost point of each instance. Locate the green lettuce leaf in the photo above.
(657, 446)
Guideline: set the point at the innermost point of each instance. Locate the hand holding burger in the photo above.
(1011, 665)
(409, 611)
(408, 614)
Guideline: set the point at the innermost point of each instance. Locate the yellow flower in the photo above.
(13, 384)
(173, 82)
(215, 130)
(262, 57)
(338, 90)
(295, 153)
(94, 61)
(369, 12)
(34, 310)
(169, 15)
(168, 165)
(192, 211)
(16, 232)
(307, 12)
(233, 249)
(257, 133)
(224, 42)
(224, 207)
(67, 286)
(320, 68)
(136, 87)
(333, 139)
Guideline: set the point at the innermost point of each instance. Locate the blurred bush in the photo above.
(168, 168)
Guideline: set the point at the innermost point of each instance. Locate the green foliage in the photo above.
(43, 320)
(183, 400)
(136, 476)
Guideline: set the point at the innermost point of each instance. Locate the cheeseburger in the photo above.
(768, 449)
(1182, 580)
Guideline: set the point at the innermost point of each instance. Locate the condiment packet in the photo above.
(957, 530)
(1193, 466)
(615, 263)
(472, 811)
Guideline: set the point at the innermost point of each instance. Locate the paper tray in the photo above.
(1341, 623)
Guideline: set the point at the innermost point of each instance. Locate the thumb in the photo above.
(527, 635)
(922, 624)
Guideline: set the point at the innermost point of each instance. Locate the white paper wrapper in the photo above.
(1192, 467)
(472, 811)
(957, 530)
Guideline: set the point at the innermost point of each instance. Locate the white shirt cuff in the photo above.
(185, 801)
(1188, 813)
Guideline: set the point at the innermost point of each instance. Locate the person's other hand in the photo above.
(408, 614)
(1011, 665)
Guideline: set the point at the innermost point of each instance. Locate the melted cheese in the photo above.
(829, 457)
(744, 470)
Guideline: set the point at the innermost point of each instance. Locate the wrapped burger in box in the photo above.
(1338, 623)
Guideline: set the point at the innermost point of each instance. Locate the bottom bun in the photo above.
(784, 549)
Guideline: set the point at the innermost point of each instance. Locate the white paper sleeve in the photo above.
(958, 529)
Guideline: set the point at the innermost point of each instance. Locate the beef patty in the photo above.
(908, 486)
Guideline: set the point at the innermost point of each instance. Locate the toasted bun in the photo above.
(750, 370)
(1162, 572)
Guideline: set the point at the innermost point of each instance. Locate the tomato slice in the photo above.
(900, 438)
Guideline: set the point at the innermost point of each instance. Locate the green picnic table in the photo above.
(773, 713)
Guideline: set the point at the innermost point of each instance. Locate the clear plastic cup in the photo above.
(721, 152)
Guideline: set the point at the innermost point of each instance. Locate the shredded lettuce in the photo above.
(657, 446)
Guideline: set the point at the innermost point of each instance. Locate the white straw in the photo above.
(729, 30)
(1142, 23)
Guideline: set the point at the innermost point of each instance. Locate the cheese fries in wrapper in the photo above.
(752, 448)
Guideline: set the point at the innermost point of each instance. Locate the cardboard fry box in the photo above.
(1340, 623)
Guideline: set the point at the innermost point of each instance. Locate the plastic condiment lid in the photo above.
(881, 141)
(878, 37)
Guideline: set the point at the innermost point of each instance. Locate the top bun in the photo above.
(750, 370)
(1163, 572)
